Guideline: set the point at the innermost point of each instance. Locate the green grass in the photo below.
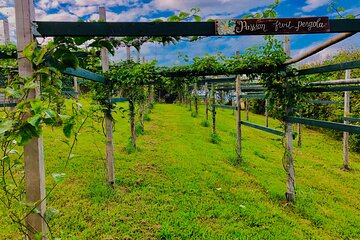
(179, 185)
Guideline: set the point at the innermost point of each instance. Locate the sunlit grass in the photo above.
(179, 185)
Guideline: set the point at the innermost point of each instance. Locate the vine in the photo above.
(19, 125)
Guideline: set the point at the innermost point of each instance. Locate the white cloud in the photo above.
(10, 13)
(311, 5)
(6, 3)
(41, 15)
(47, 4)
(228, 8)
(83, 11)
(130, 15)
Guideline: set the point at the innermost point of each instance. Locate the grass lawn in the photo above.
(178, 185)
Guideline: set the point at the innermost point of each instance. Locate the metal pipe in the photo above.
(322, 46)
(336, 82)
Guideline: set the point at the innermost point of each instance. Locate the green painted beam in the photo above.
(344, 25)
(8, 104)
(52, 29)
(324, 124)
(245, 89)
(253, 96)
(82, 73)
(123, 29)
(3, 55)
(116, 100)
(223, 106)
(322, 102)
(331, 89)
(262, 128)
(330, 68)
(70, 92)
(351, 119)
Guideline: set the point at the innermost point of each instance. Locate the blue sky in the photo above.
(147, 10)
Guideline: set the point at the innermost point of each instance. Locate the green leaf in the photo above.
(36, 106)
(6, 159)
(81, 40)
(40, 57)
(58, 177)
(30, 85)
(173, 19)
(13, 151)
(35, 120)
(183, 15)
(68, 126)
(158, 20)
(13, 92)
(108, 46)
(66, 141)
(50, 214)
(29, 50)
(197, 18)
(69, 60)
(35, 210)
(6, 126)
(26, 133)
(50, 117)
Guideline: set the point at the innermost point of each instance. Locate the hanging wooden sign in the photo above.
(272, 26)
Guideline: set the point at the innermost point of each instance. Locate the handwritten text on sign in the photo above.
(272, 26)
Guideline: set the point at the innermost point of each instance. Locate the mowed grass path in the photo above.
(178, 185)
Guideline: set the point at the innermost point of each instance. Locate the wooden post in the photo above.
(290, 194)
(138, 56)
(34, 150)
(213, 109)
(76, 88)
(128, 56)
(7, 41)
(346, 134)
(247, 109)
(196, 98)
(141, 113)
(299, 135)
(6, 32)
(185, 94)
(233, 102)
(266, 113)
(108, 117)
(238, 118)
(238, 115)
(151, 96)
(206, 101)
